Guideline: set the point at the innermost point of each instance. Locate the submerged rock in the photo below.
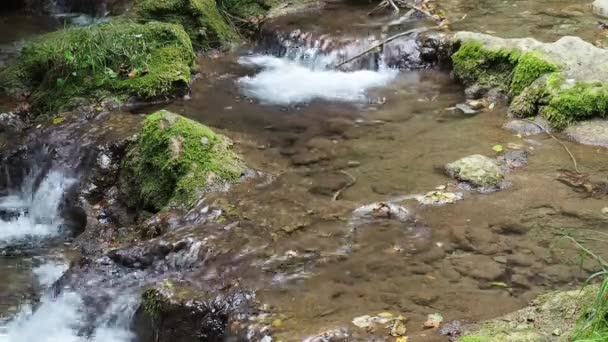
(563, 80)
(174, 161)
(477, 170)
(592, 132)
(527, 128)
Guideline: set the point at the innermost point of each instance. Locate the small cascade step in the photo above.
(414, 51)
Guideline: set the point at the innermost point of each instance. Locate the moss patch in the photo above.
(123, 58)
(580, 102)
(200, 18)
(174, 160)
(474, 64)
(535, 84)
(528, 69)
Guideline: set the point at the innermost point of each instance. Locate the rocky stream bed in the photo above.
(271, 192)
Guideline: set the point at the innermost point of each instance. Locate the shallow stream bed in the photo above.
(331, 142)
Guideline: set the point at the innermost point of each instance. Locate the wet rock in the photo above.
(600, 7)
(478, 266)
(526, 128)
(158, 253)
(11, 123)
(452, 329)
(381, 210)
(513, 159)
(162, 223)
(592, 132)
(334, 335)
(477, 170)
(179, 312)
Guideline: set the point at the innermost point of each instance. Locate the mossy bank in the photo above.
(117, 60)
(562, 81)
(146, 54)
(175, 160)
(550, 317)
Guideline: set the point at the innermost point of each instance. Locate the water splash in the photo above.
(283, 81)
(62, 319)
(35, 210)
(68, 317)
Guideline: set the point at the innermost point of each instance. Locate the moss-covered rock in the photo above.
(477, 170)
(202, 19)
(120, 59)
(550, 317)
(175, 160)
(564, 81)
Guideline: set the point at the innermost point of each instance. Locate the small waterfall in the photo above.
(34, 211)
(299, 67)
(62, 319)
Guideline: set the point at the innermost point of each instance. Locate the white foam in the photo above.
(43, 218)
(49, 273)
(61, 319)
(284, 82)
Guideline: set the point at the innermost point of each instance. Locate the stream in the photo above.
(327, 145)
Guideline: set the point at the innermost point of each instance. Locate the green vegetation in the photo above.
(200, 18)
(528, 69)
(153, 303)
(592, 325)
(536, 85)
(174, 160)
(580, 102)
(121, 58)
(474, 64)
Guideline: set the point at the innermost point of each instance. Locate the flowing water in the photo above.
(335, 142)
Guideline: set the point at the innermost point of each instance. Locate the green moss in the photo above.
(580, 102)
(474, 64)
(123, 58)
(174, 160)
(200, 18)
(528, 69)
(153, 303)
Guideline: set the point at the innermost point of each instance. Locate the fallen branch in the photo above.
(559, 141)
(391, 38)
(352, 182)
(395, 8)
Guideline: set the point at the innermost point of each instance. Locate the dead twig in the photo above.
(559, 141)
(352, 182)
(391, 38)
